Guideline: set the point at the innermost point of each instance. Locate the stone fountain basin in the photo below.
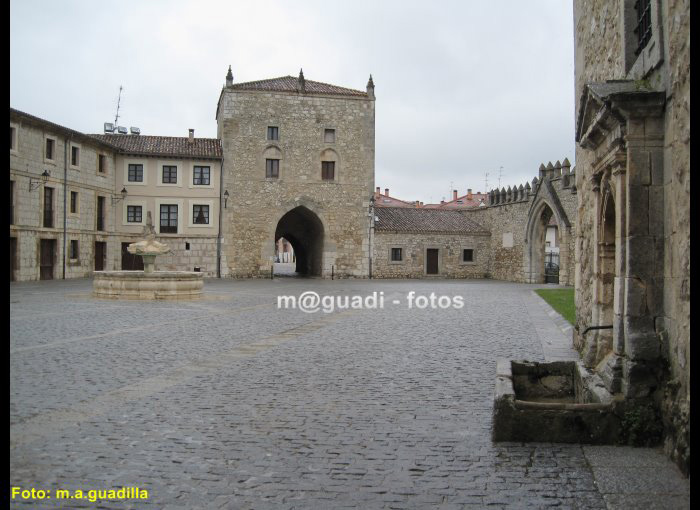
(157, 285)
(558, 402)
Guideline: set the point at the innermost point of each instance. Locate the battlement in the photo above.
(553, 172)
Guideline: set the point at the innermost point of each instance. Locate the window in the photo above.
(329, 136)
(169, 174)
(273, 133)
(134, 214)
(50, 145)
(328, 170)
(48, 207)
(73, 202)
(643, 28)
(101, 163)
(200, 214)
(168, 219)
(13, 138)
(100, 213)
(468, 255)
(396, 254)
(272, 168)
(12, 202)
(136, 173)
(201, 176)
(74, 155)
(74, 249)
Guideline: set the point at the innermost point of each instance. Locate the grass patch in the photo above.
(562, 300)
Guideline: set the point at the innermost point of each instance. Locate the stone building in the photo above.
(298, 158)
(632, 75)
(417, 243)
(177, 179)
(61, 200)
(95, 194)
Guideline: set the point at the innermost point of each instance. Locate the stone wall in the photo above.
(257, 203)
(517, 240)
(414, 247)
(634, 155)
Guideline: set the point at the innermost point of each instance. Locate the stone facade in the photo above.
(82, 181)
(327, 221)
(633, 239)
(193, 247)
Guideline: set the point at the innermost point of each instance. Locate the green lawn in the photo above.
(562, 300)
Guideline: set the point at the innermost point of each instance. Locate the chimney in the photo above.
(191, 140)
(454, 194)
(469, 194)
(379, 191)
(386, 191)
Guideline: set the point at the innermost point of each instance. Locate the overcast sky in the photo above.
(463, 88)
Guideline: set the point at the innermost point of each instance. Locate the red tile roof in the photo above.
(175, 146)
(404, 219)
(291, 84)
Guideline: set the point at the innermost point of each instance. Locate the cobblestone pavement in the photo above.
(230, 402)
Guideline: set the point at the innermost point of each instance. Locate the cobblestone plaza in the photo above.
(231, 402)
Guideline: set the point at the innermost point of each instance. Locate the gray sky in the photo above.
(463, 87)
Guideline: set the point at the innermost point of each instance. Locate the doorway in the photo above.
(100, 255)
(47, 258)
(432, 259)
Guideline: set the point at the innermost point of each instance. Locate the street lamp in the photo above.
(35, 184)
(225, 198)
(116, 199)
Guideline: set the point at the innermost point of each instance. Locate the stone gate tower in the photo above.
(299, 164)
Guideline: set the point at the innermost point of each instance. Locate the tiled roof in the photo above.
(164, 145)
(403, 219)
(291, 84)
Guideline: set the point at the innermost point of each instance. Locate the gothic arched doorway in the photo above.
(303, 229)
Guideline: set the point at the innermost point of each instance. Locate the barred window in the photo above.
(328, 170)
(200, 213)
(468, 255)
(136, 173)
(73, 249)
(169, 174)
(643, 28)
(396, 255)
(272, 168)
(134, 214)
(168, 219)
(201, 176)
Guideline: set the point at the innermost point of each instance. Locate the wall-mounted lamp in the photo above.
(225, 198)
(116, 199)
(35, 184)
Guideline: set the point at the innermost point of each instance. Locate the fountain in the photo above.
(149, 283)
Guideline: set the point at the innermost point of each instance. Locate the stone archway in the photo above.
(304, 231)
(539, 217)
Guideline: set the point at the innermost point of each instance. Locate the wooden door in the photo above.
(13, 257)
(431, 266)
(47, 257)
(130, 262)
(100, 255)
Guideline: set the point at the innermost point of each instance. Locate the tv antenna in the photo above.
(119, 99)
(500, 172)
(486, 181)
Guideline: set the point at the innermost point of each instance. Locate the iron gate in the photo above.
(551, 267)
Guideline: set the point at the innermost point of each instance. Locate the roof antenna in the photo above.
(116, 117)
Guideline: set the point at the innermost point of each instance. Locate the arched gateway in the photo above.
(304, 230)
